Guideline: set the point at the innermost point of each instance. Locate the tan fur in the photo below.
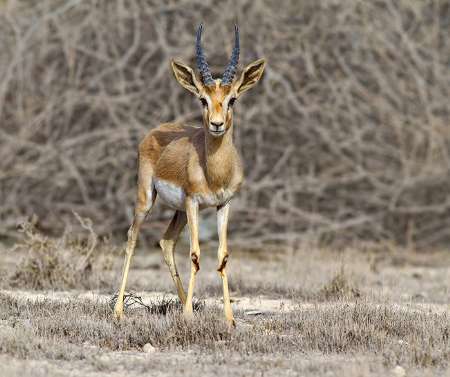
(188, 158)
(201, 166)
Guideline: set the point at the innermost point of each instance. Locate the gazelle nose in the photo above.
(217, 124)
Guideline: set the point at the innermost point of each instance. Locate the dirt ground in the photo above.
(299, 311)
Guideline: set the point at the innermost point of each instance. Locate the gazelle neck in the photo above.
(219, 153)
(214, 145)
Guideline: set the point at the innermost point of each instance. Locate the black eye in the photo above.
(231, 102)
(204, 102)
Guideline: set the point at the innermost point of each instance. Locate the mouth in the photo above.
(216, 132)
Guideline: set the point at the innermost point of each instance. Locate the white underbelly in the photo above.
(175, 197)
(172, 195)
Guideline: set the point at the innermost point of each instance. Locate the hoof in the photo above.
(118, 312)
(188, 314)
(231, 323)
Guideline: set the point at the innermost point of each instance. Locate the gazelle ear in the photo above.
(186, 77)
(251, 75)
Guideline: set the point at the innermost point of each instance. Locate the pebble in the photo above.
(398, 371)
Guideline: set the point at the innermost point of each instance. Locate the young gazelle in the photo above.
(191, 168)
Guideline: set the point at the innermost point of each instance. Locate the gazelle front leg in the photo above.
(222, 225)
(192, 220)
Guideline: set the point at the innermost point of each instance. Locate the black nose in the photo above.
(217, 124)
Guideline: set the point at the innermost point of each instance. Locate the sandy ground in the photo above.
(262, 285)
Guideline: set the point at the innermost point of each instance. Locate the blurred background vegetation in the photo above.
(346, 139)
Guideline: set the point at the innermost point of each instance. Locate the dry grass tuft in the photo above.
(61, 263)
(339, 287)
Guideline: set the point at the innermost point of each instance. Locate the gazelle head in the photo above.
(218, 96)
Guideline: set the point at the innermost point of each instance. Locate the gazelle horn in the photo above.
(230, 71)
(201, 59)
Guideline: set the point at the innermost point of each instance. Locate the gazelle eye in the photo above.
(204, 102)
(231, 102)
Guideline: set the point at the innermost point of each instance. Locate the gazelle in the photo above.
(191, 168)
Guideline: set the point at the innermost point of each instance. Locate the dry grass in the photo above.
(61, 263)
(339, 287)
(52, 330)
(64, 263)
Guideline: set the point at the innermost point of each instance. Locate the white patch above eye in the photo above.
(207, 99)
(229, 98)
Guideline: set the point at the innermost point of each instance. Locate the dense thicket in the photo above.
(346, 138)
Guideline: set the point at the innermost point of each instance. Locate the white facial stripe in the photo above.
(226, 101)
(208, 100)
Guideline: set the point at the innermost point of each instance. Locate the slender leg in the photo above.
(146, 199)
(192, 219)
(168, 247)
(222, 224)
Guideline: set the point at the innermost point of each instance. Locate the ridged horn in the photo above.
(202, 65)
(230, 71)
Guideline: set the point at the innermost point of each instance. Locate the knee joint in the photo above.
(223, 263)
(195, 258)
(130, 232)
(129, 251)
(165, 247)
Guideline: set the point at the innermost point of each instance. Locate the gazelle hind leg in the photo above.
(168, 244)
(145, 199)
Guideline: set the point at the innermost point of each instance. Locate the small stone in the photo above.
(253, 312)
(148, 348)
(398, 371)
